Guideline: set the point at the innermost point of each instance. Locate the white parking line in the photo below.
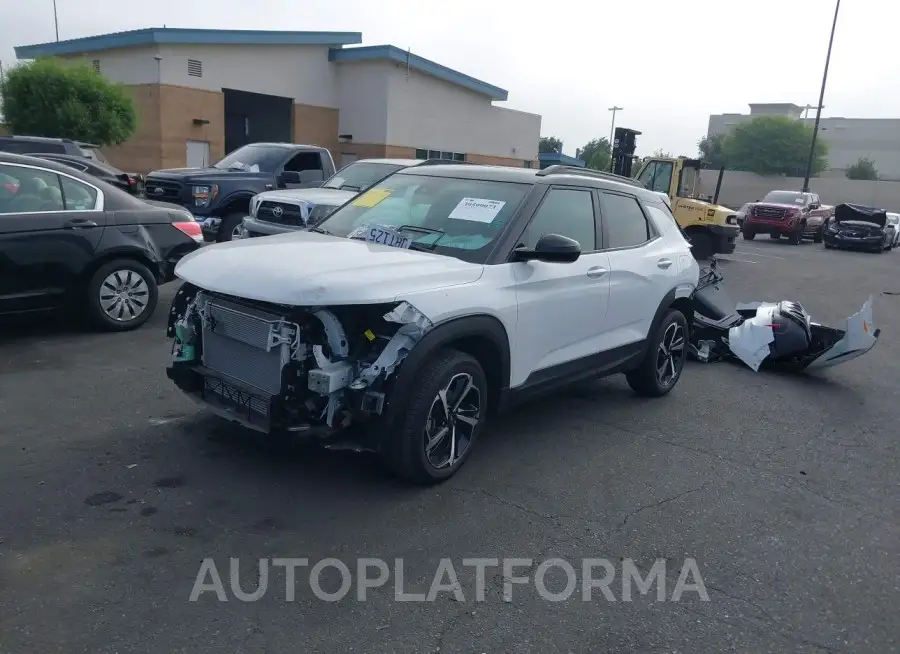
(729, 257)
(757, 253)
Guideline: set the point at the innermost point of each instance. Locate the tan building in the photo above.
(202, 93)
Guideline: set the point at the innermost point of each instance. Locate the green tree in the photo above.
(596, 154)
(774, 145)
(662, 154)
(712, 150)
(46, 97)
(864, 168)
(549, 144)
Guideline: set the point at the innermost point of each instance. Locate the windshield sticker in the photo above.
(477, 210)
(372, 198)
(336, 182)
(799, 200)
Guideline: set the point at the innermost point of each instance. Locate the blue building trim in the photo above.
(557, 158)
(396, 55)
(173, 35)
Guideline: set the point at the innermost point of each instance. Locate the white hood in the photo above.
(307, 268)
(327, 196)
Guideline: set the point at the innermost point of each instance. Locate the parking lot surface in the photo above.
(783, 488)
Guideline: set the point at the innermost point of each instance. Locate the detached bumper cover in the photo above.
(750, 340)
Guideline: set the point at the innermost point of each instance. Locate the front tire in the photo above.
(794, 238)
(443, 419)
(663, 363)
(820, 234)
(121, 295)
(748, 235)
(228, 226)
(775, 236)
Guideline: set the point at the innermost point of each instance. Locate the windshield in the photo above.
(785, 197)
(360, 176)
(461, 218)
(253, 158)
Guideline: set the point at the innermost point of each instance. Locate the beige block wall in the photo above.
(166, 116)
(141, 153)
(179, 107)
(316, 126)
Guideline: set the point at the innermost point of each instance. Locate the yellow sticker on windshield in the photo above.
(371, 198)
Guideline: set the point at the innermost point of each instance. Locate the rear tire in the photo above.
(415, 451)
(121, 295)
(229, 223)
(663, 363)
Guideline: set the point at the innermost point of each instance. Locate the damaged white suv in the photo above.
(438, 297)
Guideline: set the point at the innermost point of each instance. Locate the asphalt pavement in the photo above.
(782, 488)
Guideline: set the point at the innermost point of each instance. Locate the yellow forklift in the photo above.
(711, 229)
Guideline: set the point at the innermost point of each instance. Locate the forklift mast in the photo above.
(623, 151)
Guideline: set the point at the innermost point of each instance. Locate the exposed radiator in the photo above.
(244, 343)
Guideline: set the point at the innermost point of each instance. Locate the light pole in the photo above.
(812, 145)
(612, 129)
(55, 21)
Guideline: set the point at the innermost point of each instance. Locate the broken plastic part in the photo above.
(860, 336)
(337, 338)
(750, 340)
(414, 325)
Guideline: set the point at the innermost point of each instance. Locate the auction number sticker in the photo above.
(476, 210)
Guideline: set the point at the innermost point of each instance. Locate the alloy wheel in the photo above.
(452, 420)
(124, 295)
(237, 232)
(670, 355)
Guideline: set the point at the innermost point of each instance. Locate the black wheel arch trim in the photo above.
(668, 302)
(231, 199)
(443, 334)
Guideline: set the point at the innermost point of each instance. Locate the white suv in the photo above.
(438, 297)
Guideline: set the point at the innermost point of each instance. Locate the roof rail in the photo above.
(441, 162)
(561, 169)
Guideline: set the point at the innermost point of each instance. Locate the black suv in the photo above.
(44, 145)
(71, 241)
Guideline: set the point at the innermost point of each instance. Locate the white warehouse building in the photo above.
(202, 93)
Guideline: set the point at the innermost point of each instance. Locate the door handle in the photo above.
(80, 223)
(596, 271)
(664, 263)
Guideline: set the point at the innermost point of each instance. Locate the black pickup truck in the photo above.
(219, 196)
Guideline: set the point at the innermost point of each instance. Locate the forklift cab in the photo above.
(678, 178)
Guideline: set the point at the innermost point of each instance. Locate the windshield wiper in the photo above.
(320, 230)
(423, 230)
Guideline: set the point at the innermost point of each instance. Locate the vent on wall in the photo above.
(96, 65)
(195, 68)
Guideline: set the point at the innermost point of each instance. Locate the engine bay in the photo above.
(297, 369)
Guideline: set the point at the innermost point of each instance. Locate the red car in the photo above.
(792, 214)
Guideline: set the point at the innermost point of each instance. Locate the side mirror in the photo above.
(290, 177)
(553, 248)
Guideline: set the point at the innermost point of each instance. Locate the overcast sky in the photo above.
(669, 63)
